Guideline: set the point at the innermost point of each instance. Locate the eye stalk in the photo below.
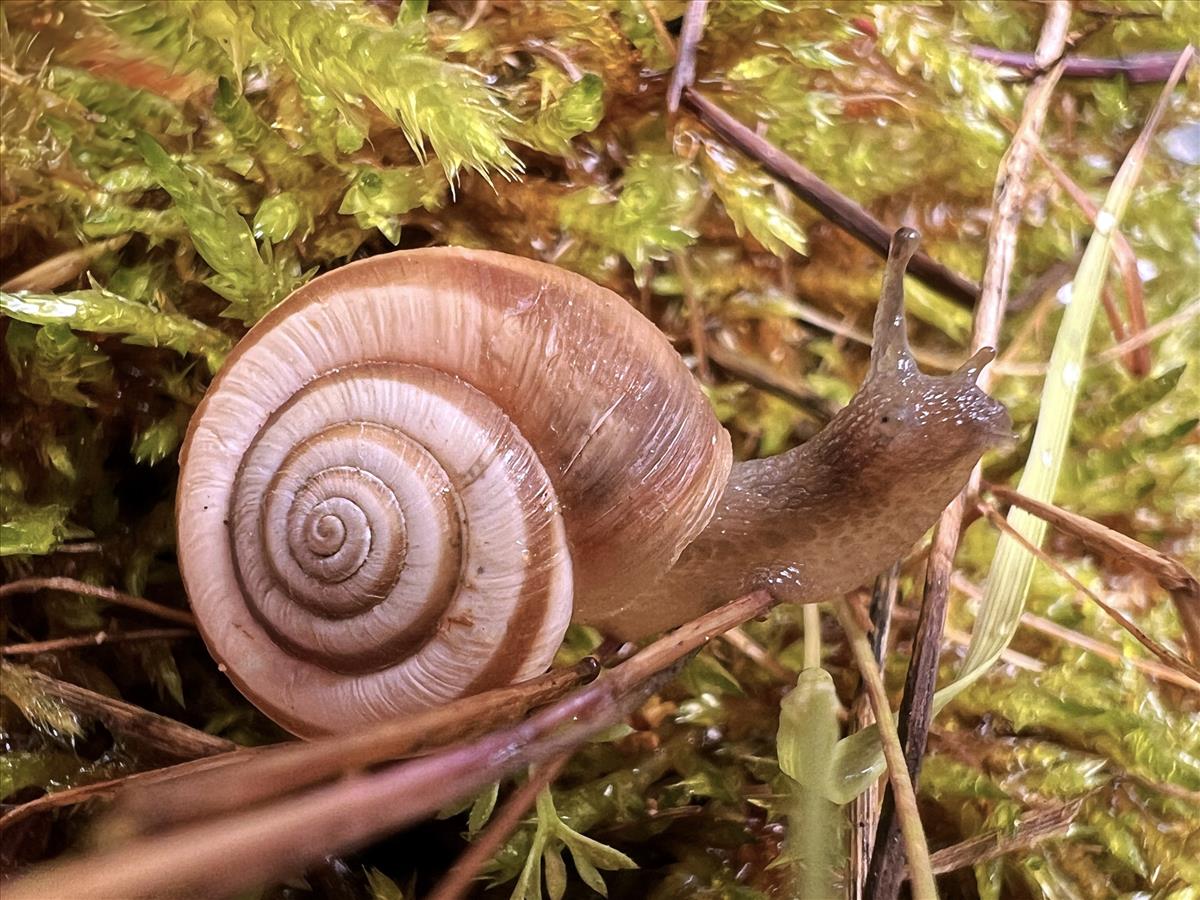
(890, 351)
(969, 371)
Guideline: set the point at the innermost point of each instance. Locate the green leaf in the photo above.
(809, 730)
(159, 225)
(589, 874)
(529, 883)
(1135, 399)
(252, 133)
(377, 197)
(159, 665)
(160, 439)
(556, 872)
(32, 530)
(100, 311)
(278, 218)
(749, 199)
(119, 108)
(133, 178)
(612, 733)
(577, 111)
(933, 309)
(600, 855)
(179, 33)
(53, 363)
(482, 808)
(250, 282)
(638, 26)
(704, 675)
(382, 887)
(649, 220)
(24, 768)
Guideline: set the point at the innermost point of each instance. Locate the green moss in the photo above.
(240, 146)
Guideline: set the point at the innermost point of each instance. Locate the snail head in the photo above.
(906, 424)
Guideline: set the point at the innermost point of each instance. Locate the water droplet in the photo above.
(1182, 143)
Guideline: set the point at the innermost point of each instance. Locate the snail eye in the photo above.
(892, 420)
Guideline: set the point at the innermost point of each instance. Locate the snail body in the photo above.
(414, 473)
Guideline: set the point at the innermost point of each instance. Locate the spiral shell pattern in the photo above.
(404, 473)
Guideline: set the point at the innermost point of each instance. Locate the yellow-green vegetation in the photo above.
(236, 148)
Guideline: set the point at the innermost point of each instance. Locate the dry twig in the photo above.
(1105, 651)
(754, 651)
(284, 769)
(106, 790)
(1033, 828)
(74, 586)
(1138, 68)
(837, 207)
(1167, 656)
(67, 266)
(685, 61)
(257, 846)
(1182, 585)
(99, 639)
(864, 809)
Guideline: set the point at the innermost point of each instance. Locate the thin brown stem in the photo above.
(1167, 656)
(1151, 334)
(924, 887)
(1138, 68)
(835, 206)
(99, 639)
(916, 704)
(660, 29)
(1182, 585)
(106, 790)
(1112, 654)
(74, 586)
(457, 882)
(1032, 829)
(864, 808)
(261, 845)
(291, 767)
(754, 651)
(685, 60)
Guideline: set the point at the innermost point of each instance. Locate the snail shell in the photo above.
(406, 473)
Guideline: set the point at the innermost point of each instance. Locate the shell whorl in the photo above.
(406, 472)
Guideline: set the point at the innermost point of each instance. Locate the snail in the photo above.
(416, 471)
